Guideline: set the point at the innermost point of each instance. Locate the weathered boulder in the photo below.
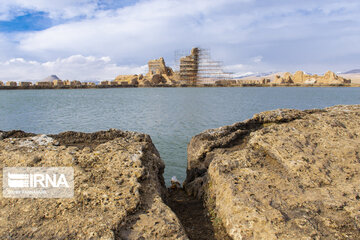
(119, 188)
(299, 77)
(277, 79)
(127, 79)
(288, 78)
(134, 81)
(157, 79)
(284, 174)
(310, 81)
(330, 78)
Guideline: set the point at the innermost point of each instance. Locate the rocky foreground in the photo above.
(283, 174)
(119, 188)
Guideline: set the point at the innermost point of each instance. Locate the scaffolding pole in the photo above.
(198, 68)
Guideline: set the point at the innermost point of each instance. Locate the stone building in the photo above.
(252, 82)
(44, 84)
(48, 81)
(114, 83)
(157, 66)
(225, 82)
(11, 84)
(58, 83)
(75, 83)
(127, 79)
(25, 84)
(88, 84)
(1, 83)
(159, 73)
(105, 83)
(265, 81)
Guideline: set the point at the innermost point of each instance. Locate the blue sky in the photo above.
(93, 40)
(22, 18)
(32, 21)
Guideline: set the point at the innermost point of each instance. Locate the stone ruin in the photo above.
(189, 67)
(195, 69)
(198, 68)
(158, 74)
(329, 78)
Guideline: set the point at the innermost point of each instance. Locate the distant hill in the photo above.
(355, 77)
(251, 74)
(50, 78)
(352, 71)
(259, 76)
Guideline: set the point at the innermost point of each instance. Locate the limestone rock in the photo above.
(157, 66)
(288, 78)
(284, 174)
(310, 81)
(127, 79)
(277, 79)
(299, 77)
(159, 73)
(330, 78)
(119, 188)
(157, 79)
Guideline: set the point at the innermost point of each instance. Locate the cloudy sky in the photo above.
(99, 39)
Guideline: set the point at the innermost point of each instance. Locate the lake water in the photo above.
(170, 115)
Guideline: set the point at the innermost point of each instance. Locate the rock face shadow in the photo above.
(192, 215)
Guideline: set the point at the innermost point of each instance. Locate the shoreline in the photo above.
(174, 86)
(265, 163)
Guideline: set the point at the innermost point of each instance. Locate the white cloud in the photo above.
(135, 33)
(7, 47)
(257, 59)
(64, 9)
(74, 67)
(283, 35)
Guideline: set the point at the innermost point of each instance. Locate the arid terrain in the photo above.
(283, 174)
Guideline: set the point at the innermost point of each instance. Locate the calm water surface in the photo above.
(170, 115)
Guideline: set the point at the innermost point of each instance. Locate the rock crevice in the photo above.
(283, 174)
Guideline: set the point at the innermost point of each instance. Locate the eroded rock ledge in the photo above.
(119, 188)
(284, 174)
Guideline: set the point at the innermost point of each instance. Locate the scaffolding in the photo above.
(198, 68)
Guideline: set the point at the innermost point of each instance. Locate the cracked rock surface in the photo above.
(119, 188)
(284, 174)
